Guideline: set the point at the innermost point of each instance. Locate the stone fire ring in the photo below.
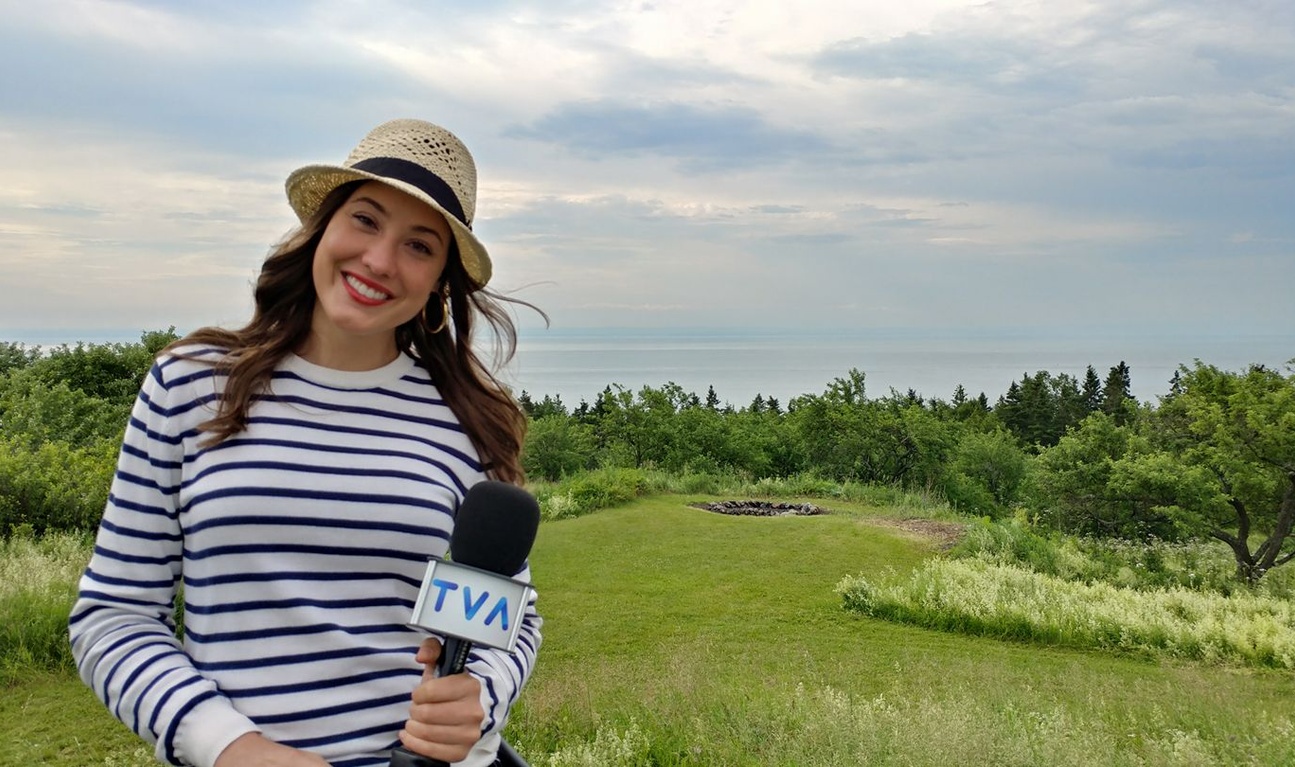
(761, 508)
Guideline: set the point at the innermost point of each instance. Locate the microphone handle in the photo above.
(454, 658)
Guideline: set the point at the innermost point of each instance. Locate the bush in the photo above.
(53, 486)
(589, 492)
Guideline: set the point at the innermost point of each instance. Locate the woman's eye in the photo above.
(421, 247)
(365, 220)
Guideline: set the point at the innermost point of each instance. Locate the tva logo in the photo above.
(471, 607)
(482, 607)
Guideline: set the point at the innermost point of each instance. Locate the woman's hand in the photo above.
(255, 750)
(446, 716)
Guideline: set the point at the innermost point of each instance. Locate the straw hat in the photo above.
(418, 158)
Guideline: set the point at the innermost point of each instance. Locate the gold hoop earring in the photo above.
(445, 315)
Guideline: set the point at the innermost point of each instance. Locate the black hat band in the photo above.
(416, 176)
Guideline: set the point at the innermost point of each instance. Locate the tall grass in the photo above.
(38, 580)
(829, 727)
(1008, 601)
(1150, 565)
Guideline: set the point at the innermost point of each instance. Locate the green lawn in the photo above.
(675, 636)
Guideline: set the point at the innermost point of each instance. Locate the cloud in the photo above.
(703, 138)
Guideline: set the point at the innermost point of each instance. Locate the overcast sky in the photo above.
(1087, 167)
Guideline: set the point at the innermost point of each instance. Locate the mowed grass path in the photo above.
(676, 636)
(721, 638)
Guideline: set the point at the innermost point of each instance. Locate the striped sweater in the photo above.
(301, 543)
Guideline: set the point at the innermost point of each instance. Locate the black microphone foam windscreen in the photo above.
(495, 527)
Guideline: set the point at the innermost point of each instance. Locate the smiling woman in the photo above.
(296, 475)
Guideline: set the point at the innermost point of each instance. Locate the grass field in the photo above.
(675, 636)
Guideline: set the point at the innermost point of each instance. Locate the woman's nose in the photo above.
(380, 257)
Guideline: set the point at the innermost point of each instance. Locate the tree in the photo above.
(1238, 429)
(1117, 394)
(1216, 460)
(16, 356)
(1073, 491)
(986, 470)
(1092, 390)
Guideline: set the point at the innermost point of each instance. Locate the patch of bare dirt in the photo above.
(945, 534)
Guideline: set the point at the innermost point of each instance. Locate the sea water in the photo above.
(577, 363)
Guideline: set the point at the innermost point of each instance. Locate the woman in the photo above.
(295, 475)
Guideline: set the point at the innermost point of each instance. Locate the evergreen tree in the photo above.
(712, 399)
(1117, 394)
(1092, 390)
(526, 403)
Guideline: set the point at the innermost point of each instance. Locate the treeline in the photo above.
(1215, 457)
(973, 453)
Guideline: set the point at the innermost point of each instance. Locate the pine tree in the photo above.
(1092, 390)
(1117, 394)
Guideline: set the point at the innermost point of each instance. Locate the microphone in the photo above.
(471, 599)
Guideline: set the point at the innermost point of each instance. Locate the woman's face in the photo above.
(379, 260)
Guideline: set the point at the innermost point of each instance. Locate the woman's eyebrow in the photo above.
(417, 227)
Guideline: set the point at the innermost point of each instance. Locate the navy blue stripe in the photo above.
(76, 618)
(283, 604)
(293, 575)
(345, 708)
(315, 495)
(130, 680)
(130, 532)
(298, 468)
(322, 684)
(166, 439)
(490, 714)
(179, 717)
(158, 511)
(275, 520)
(135, 452)
(131, 582)
(287, 375)
(332, 551)
(380, 433)
(284, 631)
(372, 412)
(145, 482)
(365, 761)
(110, 554)
(339, 450)
(344, 736)
(180, 409)
(117, 599)
(151, 639)
(198, 354)
(278, 661)
(139, 699)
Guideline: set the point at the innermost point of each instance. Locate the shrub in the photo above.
(53, 486)
(591, 491)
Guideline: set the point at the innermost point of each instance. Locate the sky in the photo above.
(821, 165)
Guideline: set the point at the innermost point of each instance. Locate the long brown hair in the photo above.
(285, 302)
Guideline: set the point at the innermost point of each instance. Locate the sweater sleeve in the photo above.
(121, 626)
(503, 674)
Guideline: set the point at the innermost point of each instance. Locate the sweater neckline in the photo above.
(349, 379)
